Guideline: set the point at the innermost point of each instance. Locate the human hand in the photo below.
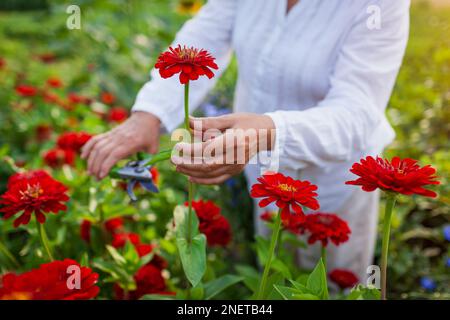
(140, 132)
(228, 143)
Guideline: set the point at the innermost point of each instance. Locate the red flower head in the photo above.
(157, 261)
(344, 278)
(34, 191)
(286, 192)
(108, 98)
(114, 225)
(399, 176)
(268, 216)
(54, 82)
(85, 230)
(57, 157)
(117, 114)
(50, 282)
(325, 227)
(149, 280)
(120, 239)
(291, 224)
(43, 132)
(190, 63)
(2, 63)
(212, 224)
(47, 57)
(76, 98)
(73, 140)
(26, 90)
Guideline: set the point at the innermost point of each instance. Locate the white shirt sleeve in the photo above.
(360, 86)
(211, 29)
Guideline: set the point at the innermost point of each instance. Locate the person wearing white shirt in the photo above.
(319, 72)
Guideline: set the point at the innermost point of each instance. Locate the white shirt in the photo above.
(324, 73)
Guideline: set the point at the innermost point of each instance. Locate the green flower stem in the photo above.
(323, 254)
(273, 244)
(190, 184)
(9, 255)
(44, 239)
(390, 202)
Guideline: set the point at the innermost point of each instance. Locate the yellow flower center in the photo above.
(287, 187)
(17, 296)
(33, 191)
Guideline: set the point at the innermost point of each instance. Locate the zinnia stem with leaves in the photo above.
(390, 202)
(44, 239)
(190, 184)
(273, 244)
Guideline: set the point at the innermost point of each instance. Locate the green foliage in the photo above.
(192, 250)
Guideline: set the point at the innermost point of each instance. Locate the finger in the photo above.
(217, 180)
(94, 153)
(186, 152)
(87, 148)
(110, 161)
(101, 156)
(204, 171)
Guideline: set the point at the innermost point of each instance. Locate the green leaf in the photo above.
(251, 277)
(286, 292)
(218, 285)
(193, 257)
(197, 292)
(363, 293)
(118, 258)
(192, 253)
(157, 297)
(306, 296)
(299, 286)
(317, 281)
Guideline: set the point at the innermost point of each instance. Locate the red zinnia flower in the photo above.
(34, 191)
(291, 224)
(190, 63)
(286, 192)
(117, 114)
(149, 280)
(26, 90)
(50, 282)
(325, 227)
(73, 140)
(114, 224)
(76, 98)
(54, 82)
(57, 157)
(212, 224)
(85, 230)
(108, 98)
(344, 278)
(47, 57)
(119, 239)
(268, 216)
(43, 132)
(403, 176)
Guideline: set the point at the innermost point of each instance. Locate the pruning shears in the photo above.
(139, 171)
